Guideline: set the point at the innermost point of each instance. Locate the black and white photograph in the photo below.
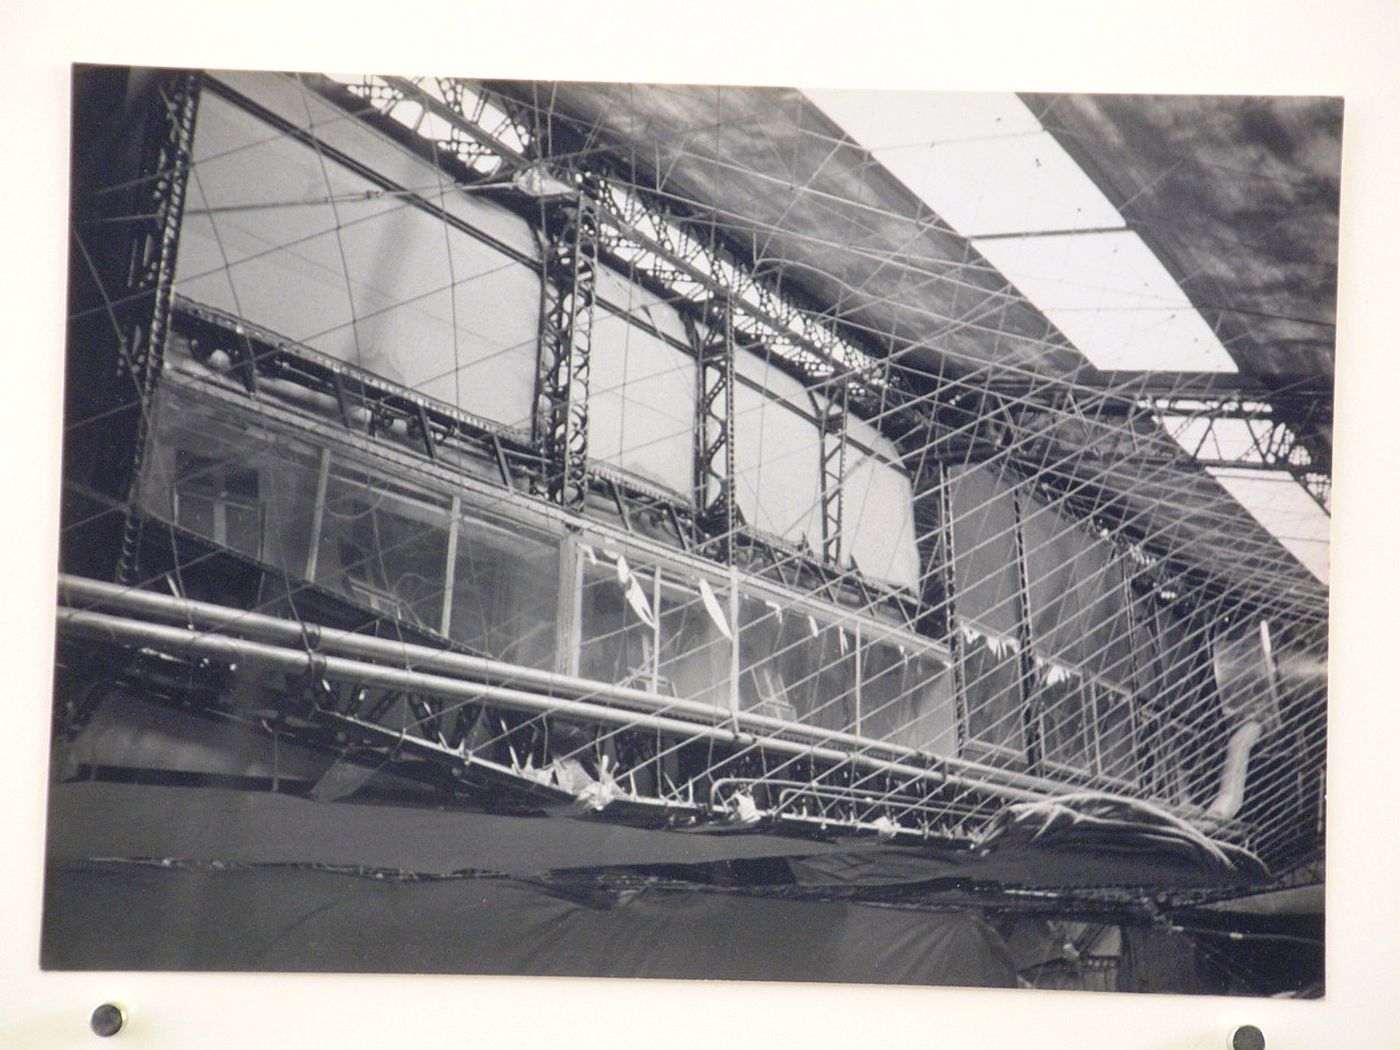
(576, 529)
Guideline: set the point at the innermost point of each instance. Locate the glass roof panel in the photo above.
(1112, 299)
(1286, 509)
(982, 162)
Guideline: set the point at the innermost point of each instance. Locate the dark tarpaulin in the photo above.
(250, 827)
(984, 551)
(1076, 594)
(1047, 868)
(987, 601)
(114, 916)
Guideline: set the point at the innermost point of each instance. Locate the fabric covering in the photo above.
(1076, 594)
(112, 916)
(204, 824)
(984, 551)
(1106, 825)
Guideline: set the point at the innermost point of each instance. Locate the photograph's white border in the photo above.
(1342, 47)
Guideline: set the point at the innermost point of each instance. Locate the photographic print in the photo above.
(664, 531)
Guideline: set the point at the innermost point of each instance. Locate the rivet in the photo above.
(1246, 1037)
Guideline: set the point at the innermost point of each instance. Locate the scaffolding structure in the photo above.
(652, 534)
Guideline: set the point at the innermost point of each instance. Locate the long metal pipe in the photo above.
(97, 593)
(192, 642)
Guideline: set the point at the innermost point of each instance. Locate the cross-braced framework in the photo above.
(832, 424)
(570, 262)
(712, 340)
(144, 298)
(601, 502)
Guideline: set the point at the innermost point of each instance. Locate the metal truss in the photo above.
(1240, 434)
(681, 256)
(144, 310)
(570, 250)
(712, 340)
(541, 741)
(641, 235)
(832, 427)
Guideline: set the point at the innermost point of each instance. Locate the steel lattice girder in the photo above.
(832, 419)
(150, 278)
(712, 340)
(570, 251)
(695, 269)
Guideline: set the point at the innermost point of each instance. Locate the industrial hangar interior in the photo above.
(690, 531)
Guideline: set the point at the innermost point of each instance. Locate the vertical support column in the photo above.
(144, 309)
(454, 528)
(735, 653)
(318, 513)
(956, 642)
(1030, 710)
(568, 624)
(561, 418)
(833, 487)
(713, 342)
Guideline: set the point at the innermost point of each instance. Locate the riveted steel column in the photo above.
(713, 342)
(833, 478)
(144, 309)
(561, 416)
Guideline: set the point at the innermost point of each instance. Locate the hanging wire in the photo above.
(1260, 575)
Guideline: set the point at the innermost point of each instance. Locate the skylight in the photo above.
(987, 167)
(1283, 507)
(982, 162)
(1112, 298)
(1274, 498)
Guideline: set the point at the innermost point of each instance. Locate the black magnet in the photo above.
(107, 1020)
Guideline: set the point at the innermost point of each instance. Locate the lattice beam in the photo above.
(570, 252)
(144, 313)
(713, 342)
(832, 422)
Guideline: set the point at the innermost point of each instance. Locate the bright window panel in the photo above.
(878, 521)
(982, 162)
(906, 698)
(884, 119)
(1112, 298)
(641, 414)
(379, 283)
(777, 467)
(793, 666)
(1286, 509)
(693, 654)
(505, 591)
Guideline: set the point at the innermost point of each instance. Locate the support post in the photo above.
(833, 487)
(570, 251)
(1030, 700)
(956, 644)
(150, 274)
(713, 342)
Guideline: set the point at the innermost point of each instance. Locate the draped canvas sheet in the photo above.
(984, 550)
(149, 918)
(379, 282)
(987, 604)
(877, 524)
(1077, 597)
(777, 463)
(641, 403)
(269, 909)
